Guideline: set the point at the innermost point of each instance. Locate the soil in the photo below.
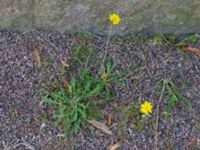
(27, 123)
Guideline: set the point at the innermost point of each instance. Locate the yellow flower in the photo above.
(115, 19)
(146, 107)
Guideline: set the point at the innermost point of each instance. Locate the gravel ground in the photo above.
(21, 80)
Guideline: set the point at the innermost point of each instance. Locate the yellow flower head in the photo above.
(115, 19)
(146, 108)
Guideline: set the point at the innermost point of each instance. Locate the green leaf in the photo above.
(194, 39)
(73, 84)
(82, 112)
(70, 89)
(60, 96)
(59, 115)
(81, 106)
(68, 123)
(94, 91)
(74, 116)
(77, 126)
(49, 100)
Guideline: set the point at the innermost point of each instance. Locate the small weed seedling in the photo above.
(173, 95)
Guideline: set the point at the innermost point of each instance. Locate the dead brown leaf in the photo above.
(66, 87)
(109, 119)
(115, 105)
(37, 57)
(64, 64)
(100, 126)
(116, 146)
(133, 126)
(191, 141)
(191, 49)
(103, 76)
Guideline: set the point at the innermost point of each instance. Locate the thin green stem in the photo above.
(106, 50)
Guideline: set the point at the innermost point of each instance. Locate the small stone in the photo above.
(43, 125)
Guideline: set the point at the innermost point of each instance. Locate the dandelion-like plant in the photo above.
(146, 108)
(115, 20)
